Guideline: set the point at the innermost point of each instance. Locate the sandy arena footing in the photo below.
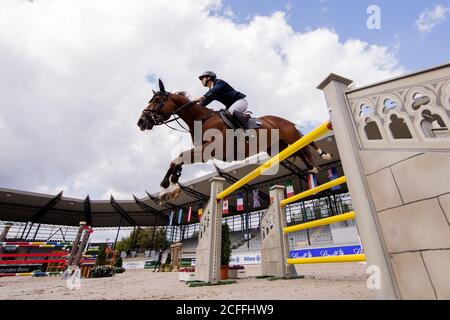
(328, 281)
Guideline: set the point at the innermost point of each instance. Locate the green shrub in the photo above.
(118, 262)
(119, 270)
(102, 271)
(101, 257)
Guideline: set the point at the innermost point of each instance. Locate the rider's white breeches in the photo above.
(240, 106)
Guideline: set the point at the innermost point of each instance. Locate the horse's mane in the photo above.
(182, 93)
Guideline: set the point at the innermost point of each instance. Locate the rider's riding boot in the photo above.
(242, 119)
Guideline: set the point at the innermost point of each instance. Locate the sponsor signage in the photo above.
(245, 258)
(20, 268)
(133, 265)
(322, 252)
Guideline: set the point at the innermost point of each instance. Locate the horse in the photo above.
(163, 105)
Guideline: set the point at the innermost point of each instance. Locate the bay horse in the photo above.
(163, 105)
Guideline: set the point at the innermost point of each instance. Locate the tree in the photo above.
(161, 239)
(143, 239)
(226, 245)
(101, 256)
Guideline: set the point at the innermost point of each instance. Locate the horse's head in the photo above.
(160, 108)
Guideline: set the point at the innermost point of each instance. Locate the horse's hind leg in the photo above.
(324, 155)
(311, 168)
(289, 135)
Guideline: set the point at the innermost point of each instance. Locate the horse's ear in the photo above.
(161, 86)
(153, 91)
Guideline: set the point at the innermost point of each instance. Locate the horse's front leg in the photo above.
(165, 183)
(324, 155)
(170, 189)
(169, 184)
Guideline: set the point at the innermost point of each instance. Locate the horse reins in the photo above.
(174, 113)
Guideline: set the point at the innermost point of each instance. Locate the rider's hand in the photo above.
(199, 99)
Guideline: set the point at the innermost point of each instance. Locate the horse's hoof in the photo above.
(326, 156)
(314, 170)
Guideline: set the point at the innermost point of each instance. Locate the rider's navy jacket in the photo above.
(222, 92)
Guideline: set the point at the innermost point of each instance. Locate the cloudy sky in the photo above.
(75, 75)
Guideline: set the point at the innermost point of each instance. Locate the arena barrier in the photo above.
(274, 235)
(393, 139)
(283, 155)
(30, 274)
(286, 153)
(36, 244)
(49, 263)
(208, 250)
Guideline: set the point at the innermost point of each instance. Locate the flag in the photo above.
(199, 212)
(189, 214)
(289, 189)
(255, 195)
(240, 201)
(180, 214)
(332, 175)
(225, 205)
(171, 218)
(312, 181)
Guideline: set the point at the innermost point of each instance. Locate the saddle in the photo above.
(252, 123)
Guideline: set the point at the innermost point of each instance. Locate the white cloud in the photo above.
(430, 18)
(2, 124)
(74, 75)
(228, 12)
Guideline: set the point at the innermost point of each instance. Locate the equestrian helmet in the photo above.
(208, 74)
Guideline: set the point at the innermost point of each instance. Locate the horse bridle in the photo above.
(157, 116)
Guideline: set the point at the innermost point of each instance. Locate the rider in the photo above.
(221, 91)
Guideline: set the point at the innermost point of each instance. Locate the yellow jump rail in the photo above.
(329, 259)
(320, 222)
(315, 190)
(286, 153)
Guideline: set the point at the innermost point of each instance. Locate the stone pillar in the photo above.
(175, 252)
(334, 88)
(207, 261)
(275, 245)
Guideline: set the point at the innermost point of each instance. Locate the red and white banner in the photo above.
(225, 205)
(240, 202)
